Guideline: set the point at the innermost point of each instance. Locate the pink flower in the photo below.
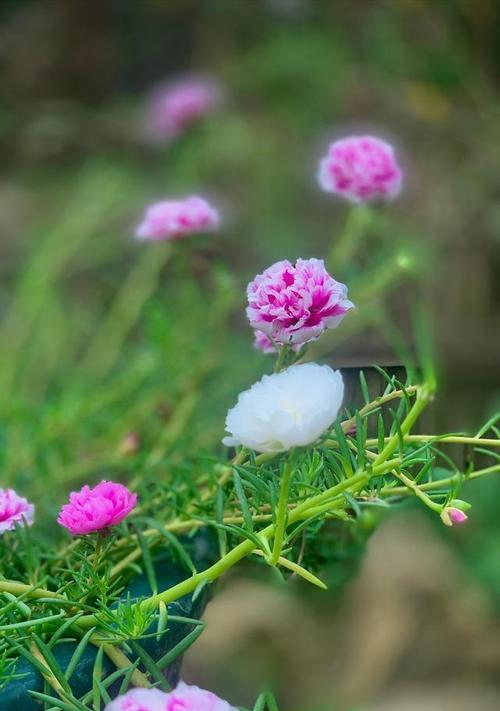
(192, 698)
(294, 304)
(175, 106)
(183, 698)
(263, 343)
(13, 509)
(140, 700)
(173, 219)
(451, 516)
(360, 169)
(92, 510)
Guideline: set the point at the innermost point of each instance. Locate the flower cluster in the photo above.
(182, 698)
(15, 510)
(90, 510)
(174, 219)
(361, 169)
(176, 106)
(288, 409)
(296, 303)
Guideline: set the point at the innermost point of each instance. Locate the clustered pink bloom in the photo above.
(174, 219)
(183, 698)
(175, 106)
(91, 510)
(14, 510)
(294, 304)
(360, 169)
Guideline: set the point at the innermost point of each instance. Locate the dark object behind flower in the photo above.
(16, 694)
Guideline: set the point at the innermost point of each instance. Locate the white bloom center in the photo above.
(288, 409)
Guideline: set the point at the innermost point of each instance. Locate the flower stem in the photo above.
(125, 310)
(440, 483)
(421, 402)
(446, 439)
(121, 661)
(415, 489)
(281, 359)
(19, 589)
(282, 513)
(246, 547)
(357, 221)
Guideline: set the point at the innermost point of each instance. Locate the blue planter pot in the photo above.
(16, 694)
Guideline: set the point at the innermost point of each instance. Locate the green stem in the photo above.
(421, 402)
(281, 358)
(440, 483)
(355, 227)
(446, 439)
(244, 548)
(125, 310)
(415, 489)
(121, 661)
(282, 513)
(29, 591)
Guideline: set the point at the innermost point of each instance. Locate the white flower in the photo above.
(288, 409)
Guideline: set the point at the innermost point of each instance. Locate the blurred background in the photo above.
(115, 354)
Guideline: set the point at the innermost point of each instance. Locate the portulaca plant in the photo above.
(296, 457)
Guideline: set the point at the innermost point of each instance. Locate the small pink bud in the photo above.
(129, 445)
(452, 516)
(263, 343)
(457, 516)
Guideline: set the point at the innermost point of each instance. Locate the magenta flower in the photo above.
(91, 510)
(139, 700)
(174, 219)
(182, 698)
(175, 106)
(192, 698)
(294, 304)
(14, 510)
(360, 169)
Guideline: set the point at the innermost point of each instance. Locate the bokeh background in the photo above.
(101, 338)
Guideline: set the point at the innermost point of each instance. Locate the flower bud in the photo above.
(451, 516)
(129, 445)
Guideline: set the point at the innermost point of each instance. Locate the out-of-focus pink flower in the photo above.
(360, 169)
(192, 698)
(130, 444)
(182, 698)
(140, 700)
(174, 219)
(294, 304)
(177, 105)
(13, 509)
(451, 516)
(94, 509)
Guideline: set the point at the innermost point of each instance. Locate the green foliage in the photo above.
(117, 360)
